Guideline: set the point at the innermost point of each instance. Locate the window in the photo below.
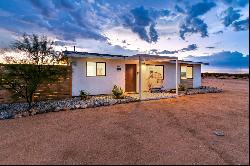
(156, 71)
(100, 68)
(96, 68)
(186, 72)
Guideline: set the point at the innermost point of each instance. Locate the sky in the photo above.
(214, 31)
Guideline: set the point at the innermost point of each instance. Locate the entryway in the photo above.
(130, 77)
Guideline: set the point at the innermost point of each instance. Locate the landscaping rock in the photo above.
(58, 109)
(33, 111)
(15, 110)
(5, 115)
(19, 115)
(218, 133)
(25, 113)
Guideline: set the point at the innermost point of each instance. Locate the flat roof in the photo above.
(90, 55)
(190, 62)
(145, 57)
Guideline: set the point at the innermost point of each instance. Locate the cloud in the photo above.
(46, 8)
(237, 3)
(191, 47)
(192, 23)
(230, 16)
(225, 59)
(179, 9)
(218, 32)
(200, 8)
(211, 47)
(242, 25)
(68, 19)
(140, 19)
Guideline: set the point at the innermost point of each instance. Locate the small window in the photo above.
(100, 68)
(96, 68)
(186, 72)
(183, 72)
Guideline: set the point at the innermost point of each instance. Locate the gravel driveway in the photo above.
(168, 131)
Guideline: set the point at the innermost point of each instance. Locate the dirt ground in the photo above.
(170, 131)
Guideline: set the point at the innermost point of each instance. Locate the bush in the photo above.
(117, 92)
(182, 87)
(84, 95)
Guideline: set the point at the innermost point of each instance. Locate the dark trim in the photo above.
(96, 69)
(186, 72)
(105, 68)
(163, 70)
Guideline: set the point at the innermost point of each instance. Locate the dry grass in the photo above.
(170, 131)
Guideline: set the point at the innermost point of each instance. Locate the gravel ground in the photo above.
(168, 131)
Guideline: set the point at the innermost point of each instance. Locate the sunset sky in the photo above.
(206, 30)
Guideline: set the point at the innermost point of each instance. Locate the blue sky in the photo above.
(208, 30)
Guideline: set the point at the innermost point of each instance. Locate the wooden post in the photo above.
(140, 77)
(176, 76)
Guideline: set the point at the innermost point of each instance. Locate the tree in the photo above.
(38, 63)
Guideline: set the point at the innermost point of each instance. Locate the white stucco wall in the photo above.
(104, 84)
(196, 76)
(97, 84)
(170, 76)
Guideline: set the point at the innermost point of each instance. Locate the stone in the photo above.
(77, 106)
(218, 133)
(25, 113)
(57, 109)
(19, 115)
(5, 115)
(33, 111)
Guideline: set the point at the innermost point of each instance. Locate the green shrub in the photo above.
(84, 95)
(117, 92)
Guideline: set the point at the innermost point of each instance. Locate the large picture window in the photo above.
(186, 72)
(96, 68)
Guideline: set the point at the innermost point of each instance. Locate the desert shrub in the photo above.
(117, 92)
(84, 95)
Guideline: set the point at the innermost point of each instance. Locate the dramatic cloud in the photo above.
(139, 19)
(200, 8)
(230, 16)
(129, 27)
(192, 23)
(191, 47)
(242, 25)
(224, 59)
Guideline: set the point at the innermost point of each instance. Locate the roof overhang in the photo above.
(190, 62)
(156, 58)
(72, 54)
(143, 57)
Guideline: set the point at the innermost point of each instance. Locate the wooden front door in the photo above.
(130, 77)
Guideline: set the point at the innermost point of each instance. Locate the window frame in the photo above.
(96, 69)
(158, 65)
(186, 72)
(162, 70)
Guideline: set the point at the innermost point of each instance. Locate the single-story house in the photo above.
(98, 73)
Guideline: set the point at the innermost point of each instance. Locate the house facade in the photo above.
(98, 73)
